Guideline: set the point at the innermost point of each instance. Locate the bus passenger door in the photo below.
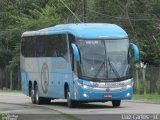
(61, 74)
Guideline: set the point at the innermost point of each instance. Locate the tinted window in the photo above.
(71, 40)
(44, 46)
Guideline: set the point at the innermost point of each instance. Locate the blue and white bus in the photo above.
(85, 62)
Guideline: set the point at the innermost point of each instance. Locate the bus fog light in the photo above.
(128, 94)
(85, 94)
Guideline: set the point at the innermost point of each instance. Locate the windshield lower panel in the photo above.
(104, 59)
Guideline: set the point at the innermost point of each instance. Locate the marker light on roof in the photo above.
(103, 36)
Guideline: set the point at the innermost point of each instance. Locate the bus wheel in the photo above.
(38, 99)
(116, 103)
(70, 102)
(33, 98)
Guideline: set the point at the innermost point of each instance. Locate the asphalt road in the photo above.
(17, 103)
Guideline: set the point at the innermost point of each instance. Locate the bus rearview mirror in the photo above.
(76, 52)
(136, 51)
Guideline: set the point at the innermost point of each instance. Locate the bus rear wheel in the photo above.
(33, 98)
(38, 99)
(116, 103)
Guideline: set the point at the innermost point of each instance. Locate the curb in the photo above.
(142, 101)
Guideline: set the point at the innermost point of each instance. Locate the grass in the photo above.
(147, 97)
(11, 91)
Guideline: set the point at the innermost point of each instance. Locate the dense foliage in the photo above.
(140, 18)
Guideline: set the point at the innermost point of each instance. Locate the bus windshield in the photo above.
(104, 59)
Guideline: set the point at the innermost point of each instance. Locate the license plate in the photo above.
(108, 96)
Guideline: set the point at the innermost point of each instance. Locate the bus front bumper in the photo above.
(89, 95)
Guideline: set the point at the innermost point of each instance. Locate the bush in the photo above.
(158, 86)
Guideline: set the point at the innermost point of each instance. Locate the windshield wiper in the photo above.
(113, 68)
(100, 68)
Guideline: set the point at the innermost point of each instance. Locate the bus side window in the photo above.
(73, 63)
(72, 40)
(23, 46)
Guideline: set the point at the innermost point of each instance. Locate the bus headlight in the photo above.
(85, 94)
(128, 84)
(84, 86)
(128, 95)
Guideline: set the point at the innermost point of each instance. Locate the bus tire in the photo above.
(116, 103)
(38, 99)
(70, 103)
(33, 98)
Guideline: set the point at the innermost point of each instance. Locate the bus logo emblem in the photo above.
(107, 89)
(45, 78)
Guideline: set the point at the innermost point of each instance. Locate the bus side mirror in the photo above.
(76, 52)
(136, 51)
